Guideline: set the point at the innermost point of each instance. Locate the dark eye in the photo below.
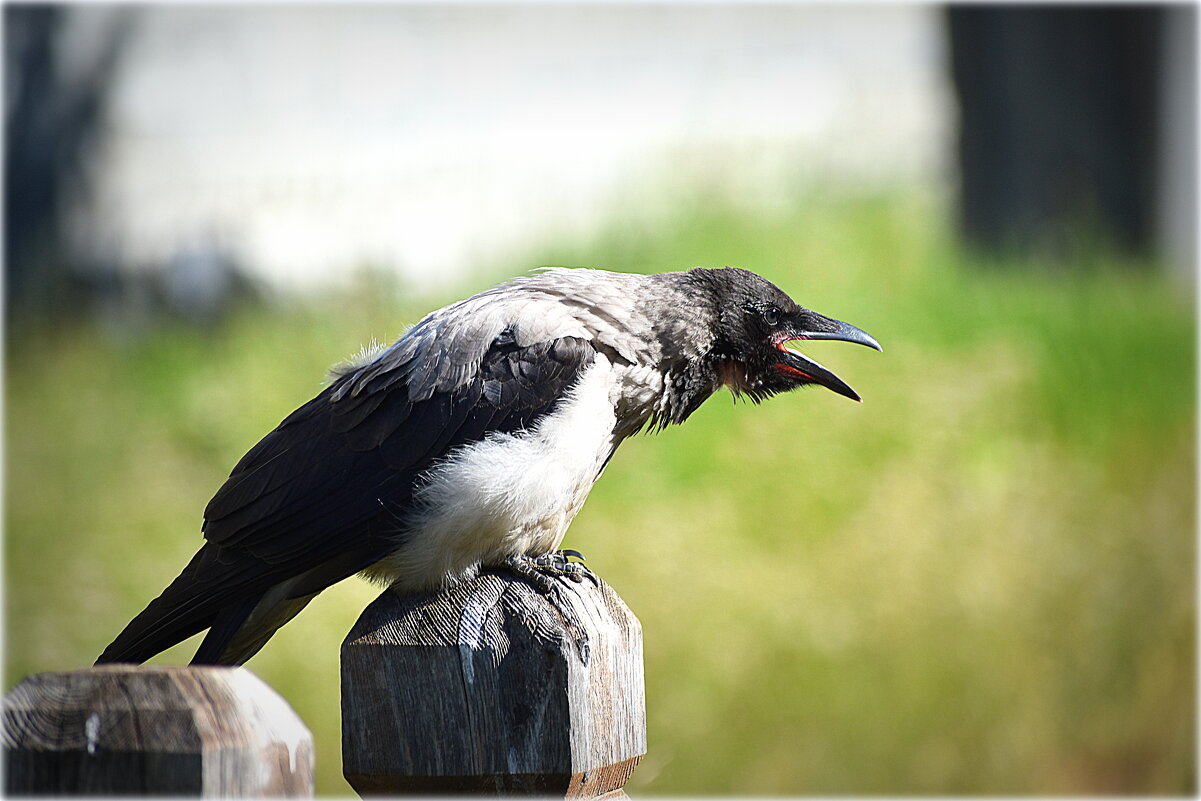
(772, 315)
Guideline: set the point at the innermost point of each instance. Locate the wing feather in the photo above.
(324, 495)
(309, 474)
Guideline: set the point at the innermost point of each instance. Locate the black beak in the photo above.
(811, 325)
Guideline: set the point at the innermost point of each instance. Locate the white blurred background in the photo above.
(306, 141)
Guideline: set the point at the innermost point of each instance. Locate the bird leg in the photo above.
(541, 571)
(558, 562)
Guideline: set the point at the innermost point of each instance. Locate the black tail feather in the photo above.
(206, 594)
(221, 632)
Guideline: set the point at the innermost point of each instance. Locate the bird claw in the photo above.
(558, 563)
(541, 571)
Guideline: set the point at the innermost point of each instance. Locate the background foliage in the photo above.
(979, 580)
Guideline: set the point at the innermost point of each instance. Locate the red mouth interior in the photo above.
(788, 369)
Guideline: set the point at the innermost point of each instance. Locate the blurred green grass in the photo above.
(981, 580)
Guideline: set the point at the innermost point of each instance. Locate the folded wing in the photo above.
(326, 493)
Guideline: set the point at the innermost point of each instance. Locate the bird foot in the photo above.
(541, 571)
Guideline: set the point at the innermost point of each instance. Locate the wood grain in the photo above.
(137, 730)
(493, 686)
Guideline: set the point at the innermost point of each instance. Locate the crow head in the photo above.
(755, 322)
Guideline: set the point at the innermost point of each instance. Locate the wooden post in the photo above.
(129, 730)
(494, 687)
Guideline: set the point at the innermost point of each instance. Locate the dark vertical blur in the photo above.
(53, 118)
(1061, 109)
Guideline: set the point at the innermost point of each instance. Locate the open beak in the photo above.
(815, 326)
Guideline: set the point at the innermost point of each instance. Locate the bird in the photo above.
(472, 441)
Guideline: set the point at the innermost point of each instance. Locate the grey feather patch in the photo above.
(443, 351)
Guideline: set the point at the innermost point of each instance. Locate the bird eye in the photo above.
(772, 315)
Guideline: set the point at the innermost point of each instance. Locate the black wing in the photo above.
(326, 492)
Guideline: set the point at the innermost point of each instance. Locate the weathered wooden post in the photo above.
(494, 687)
(129, 730)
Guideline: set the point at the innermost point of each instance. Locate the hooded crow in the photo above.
(473, 440)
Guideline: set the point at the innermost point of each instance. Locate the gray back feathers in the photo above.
(629, 316)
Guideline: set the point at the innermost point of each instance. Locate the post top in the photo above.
(494, 685)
